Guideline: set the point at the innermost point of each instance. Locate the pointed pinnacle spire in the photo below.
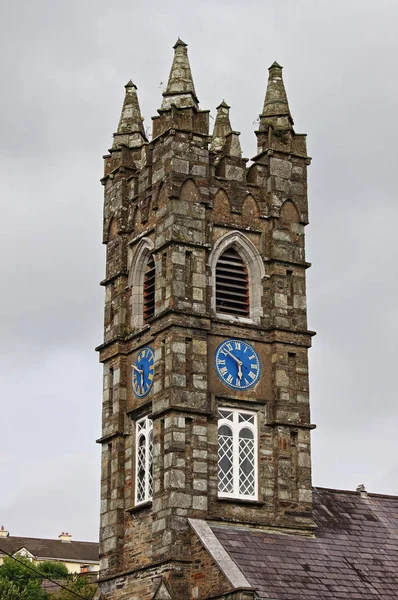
(180, 89)
(179, 42)
(131, 119)
(276, 103)
(222, 127)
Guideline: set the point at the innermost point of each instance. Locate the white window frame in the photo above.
(236, 426)
(144, 429)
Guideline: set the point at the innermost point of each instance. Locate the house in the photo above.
(78, 557)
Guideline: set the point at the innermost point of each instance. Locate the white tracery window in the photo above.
(143, 460)
(237, 454)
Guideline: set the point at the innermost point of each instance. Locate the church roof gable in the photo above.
(219, 554)
(354, 553)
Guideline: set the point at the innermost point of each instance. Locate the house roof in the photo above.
(354, 553)
(52, 549)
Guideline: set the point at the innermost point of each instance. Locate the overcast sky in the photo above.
(63, 68)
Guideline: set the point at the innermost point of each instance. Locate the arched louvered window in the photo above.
(149, 289)
(232, 284)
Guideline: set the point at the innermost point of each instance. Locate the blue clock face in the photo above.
(237, 364)
(143, 372)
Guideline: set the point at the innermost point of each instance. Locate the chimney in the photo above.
(3, 532)
(361, 490)
(65, 537)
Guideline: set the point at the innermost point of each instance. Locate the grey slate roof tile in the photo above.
(47, 548)
(354, 554)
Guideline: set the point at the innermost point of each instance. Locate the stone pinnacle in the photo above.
(275, 103)
(222, 127)
(131, 119)
(180, 89)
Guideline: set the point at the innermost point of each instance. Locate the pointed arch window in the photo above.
(232, 284)
(142, 278)
(149, 289)
(236, 280)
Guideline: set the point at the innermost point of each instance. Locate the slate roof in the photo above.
(52, 549)
(354, 554)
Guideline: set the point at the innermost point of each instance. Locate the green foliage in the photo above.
(23, 580)
(78, 584)
(19, 582)
(53, 569)
(8, 590)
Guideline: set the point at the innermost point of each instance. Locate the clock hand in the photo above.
(136, 369)
(234, 357)
(237, 360)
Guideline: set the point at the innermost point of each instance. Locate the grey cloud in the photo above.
(63, 70)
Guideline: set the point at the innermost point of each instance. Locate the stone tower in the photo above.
(206, 404)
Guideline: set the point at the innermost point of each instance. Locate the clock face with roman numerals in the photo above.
(237, 364)
(143, 371)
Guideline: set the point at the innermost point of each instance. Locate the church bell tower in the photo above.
(206, 399)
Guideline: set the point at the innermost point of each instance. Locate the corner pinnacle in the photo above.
(276, 103)
(130, 119)
(180, 89)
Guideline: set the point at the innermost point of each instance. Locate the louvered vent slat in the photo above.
(232, 284)
(149, 290)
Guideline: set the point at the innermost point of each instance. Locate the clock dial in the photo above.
(237, 364)
(143, 372)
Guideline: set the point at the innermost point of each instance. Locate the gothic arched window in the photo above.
(149, 290)
(236, 280)
(237, 454)
(142, 275)
(232, 284)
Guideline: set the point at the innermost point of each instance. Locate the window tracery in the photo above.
(143, 461)
(237, 454)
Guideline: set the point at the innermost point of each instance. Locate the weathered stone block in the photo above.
(280, 168)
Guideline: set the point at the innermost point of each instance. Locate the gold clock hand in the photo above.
(239, 372)
(137, 369)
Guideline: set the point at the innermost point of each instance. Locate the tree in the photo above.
(79, 585)
(23, 579)
(8, 590)
(53, 569)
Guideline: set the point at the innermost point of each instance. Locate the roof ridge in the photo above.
(352, 492)
(24, 537)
